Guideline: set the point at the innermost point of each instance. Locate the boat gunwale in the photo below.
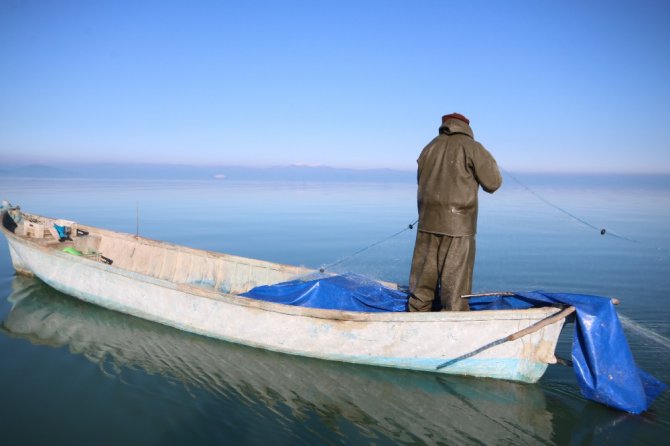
(232, 299)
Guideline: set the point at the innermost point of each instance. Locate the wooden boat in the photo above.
(198, 291)
(415, 407)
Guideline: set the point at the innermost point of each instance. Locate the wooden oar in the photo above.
(614, 300)
(514, 336)
(501, 293)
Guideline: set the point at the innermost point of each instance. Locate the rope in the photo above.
(602, 231)
(343, 259)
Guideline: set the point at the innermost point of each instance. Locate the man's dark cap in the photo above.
(458, 116)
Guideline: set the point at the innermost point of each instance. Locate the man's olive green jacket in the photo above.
(451, 169)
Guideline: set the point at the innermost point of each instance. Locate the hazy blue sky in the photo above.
(548, 85)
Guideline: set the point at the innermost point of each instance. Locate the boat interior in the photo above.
(164, 261)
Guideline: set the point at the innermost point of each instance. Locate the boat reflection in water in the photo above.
(403, 406)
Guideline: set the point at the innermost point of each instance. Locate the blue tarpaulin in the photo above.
(603, 363)
(348, 292)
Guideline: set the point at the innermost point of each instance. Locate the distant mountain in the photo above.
(37, 171)
(219, 173)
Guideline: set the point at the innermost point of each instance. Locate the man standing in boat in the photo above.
(450, 170)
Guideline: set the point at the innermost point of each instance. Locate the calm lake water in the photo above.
(73, 373)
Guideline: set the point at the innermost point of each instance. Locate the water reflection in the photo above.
(405, 407)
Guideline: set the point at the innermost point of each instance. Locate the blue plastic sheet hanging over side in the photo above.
(604, 366)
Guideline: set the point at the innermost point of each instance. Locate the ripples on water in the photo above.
(89, 375)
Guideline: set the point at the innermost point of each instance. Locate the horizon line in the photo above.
(519, 170)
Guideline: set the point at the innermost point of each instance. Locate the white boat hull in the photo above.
(419, 341)
(415, 410)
